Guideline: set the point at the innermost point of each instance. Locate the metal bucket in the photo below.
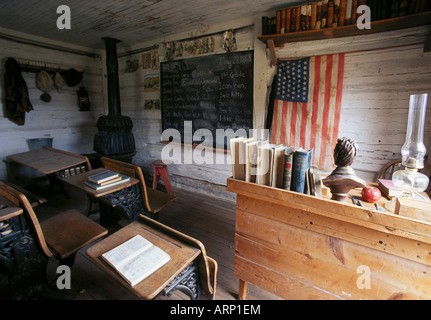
(39, 143)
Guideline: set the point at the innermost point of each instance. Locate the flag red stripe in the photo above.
(329, 61)
(283, 123)
(274, 127)
(293, 124)
(304, 111)
(317, 62)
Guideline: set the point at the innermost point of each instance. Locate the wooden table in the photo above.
(47, 160)
(52, 162)
(303, 247)
(179, 273)
(125, 195)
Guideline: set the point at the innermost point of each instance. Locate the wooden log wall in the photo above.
(60, 118)
(381, 71)
(209, 177)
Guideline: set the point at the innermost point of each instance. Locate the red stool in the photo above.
(161, 169)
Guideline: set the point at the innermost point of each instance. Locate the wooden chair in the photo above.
(152, 200)
(64, 233)
(394, 165)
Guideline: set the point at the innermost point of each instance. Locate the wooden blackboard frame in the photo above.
(212, 91)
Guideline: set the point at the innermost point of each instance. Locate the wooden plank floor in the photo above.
(208, 219)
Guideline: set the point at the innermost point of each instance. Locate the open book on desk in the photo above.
(136, 259)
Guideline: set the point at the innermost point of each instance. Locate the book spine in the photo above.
(330, 14)
(283, 21)
(336, 17)
(293, 20)
(354, 8)
(298, 19)
(303, 18)
(288, 171)
(319, 15)
(313, 16)
(308, 18)
(324, 14)
(278, 22)
(288, 17)
(343, 9)
(301, 163)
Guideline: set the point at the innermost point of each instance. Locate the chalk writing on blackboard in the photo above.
(214, 92)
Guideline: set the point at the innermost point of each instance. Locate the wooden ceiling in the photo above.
(131, 21)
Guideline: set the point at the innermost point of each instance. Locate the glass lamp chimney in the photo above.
(413, 150)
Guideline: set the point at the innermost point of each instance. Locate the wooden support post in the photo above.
(271, 47)
(242, 291)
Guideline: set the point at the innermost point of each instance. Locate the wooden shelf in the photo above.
(410, 21)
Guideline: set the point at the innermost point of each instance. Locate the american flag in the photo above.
(307, 105)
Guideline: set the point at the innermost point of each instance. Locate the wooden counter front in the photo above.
(302, 247)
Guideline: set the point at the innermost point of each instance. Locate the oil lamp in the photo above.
(413, 151)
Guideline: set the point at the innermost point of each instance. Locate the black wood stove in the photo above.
(115, 138)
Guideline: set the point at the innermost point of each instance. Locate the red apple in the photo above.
(371, 194)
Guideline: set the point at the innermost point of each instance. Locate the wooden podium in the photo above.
(302, 247)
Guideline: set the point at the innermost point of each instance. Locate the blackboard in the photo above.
(214, 92)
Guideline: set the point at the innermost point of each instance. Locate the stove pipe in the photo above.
(115, 138)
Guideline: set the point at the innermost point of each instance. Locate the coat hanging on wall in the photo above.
(16, 93)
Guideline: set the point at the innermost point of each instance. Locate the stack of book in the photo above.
(278, 166)
(105, 179)
(337, 13)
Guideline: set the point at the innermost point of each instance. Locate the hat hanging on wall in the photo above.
(72, 77)
(44, 83)
(58, 81)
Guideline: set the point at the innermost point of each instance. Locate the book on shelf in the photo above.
(238, 156)
(324, 14)
(287, 21)
(283, 21)
(319, 15)
(103, 176)
(107, 184)
(336, 17)
(264, 162)
(313, 16)
(314, 182)
(389, 189)
(251, 149)
(342, 17)
(136, 259)
(287, 174)
(302, 160)
(337, 13)
(277, 167)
